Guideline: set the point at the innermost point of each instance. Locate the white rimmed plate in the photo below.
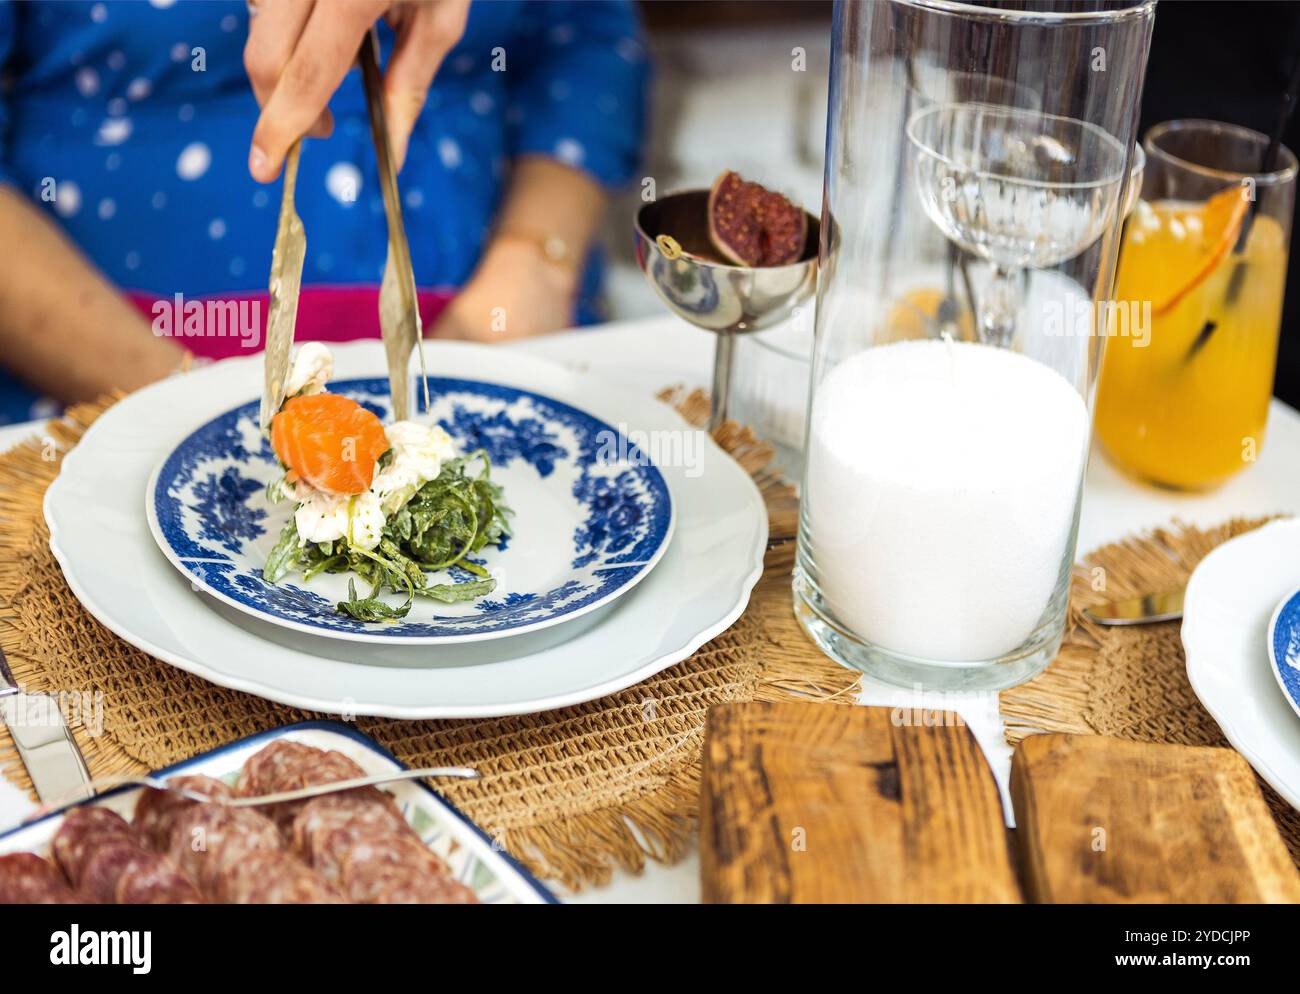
(1230, 598)
(592, 516)
(701, 585)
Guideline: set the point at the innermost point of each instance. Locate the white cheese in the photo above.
(328, 517)
(313, 365)
(417, 456)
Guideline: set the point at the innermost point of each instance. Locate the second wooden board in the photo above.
(1105, 820)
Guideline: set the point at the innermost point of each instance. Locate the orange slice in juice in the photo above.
(1220, 220)
(329, 442)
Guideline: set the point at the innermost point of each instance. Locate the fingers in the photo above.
(272, 36)
(424, 36)
(324, 51)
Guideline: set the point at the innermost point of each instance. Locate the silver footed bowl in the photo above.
(702, 288)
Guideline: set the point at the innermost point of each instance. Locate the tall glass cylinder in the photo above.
(977, 166)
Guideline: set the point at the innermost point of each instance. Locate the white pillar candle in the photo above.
(943, 482)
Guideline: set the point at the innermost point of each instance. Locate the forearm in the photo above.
(527, 279)
(551, 202)
(63, 327)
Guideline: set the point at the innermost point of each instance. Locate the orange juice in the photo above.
(1183, 401)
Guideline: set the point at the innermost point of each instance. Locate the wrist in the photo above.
(554, 259)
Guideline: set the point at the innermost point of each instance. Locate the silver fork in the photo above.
(301, 793)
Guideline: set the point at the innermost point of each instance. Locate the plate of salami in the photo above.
(402, 844)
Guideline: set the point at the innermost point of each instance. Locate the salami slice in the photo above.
(285, 765)
(150, 878)
(274, 877)
(25, 878)
(83, 832)
(156, 810)
(105, 865)
(328, 826)
(268, 767)
(206, 838)
(399, 869)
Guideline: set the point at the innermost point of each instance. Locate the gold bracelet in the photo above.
(553, 248)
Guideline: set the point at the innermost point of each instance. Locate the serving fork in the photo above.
(101, 784)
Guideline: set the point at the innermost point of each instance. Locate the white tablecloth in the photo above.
(650, 354)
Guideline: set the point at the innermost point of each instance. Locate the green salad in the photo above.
(442, 524)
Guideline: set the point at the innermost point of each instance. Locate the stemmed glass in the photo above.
(1016, 187)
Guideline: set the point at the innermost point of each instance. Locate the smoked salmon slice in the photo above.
(330, 442)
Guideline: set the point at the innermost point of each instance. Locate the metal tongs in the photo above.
(399, 309)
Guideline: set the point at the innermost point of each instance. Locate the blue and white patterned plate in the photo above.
(1284, 648)
(592, 517)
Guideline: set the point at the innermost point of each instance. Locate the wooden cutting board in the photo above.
(822, 803)
(1105, 820)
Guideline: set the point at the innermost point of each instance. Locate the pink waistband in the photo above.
(223, 325)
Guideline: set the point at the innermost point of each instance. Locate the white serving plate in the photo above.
(486, 869)
(101, 539)
(1230, 598)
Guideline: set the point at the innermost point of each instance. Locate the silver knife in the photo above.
(286, 281)
(399, 309)
(1145, 610)
(44, 743)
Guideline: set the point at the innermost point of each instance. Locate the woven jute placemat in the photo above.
(572, 793)
(1131, 683)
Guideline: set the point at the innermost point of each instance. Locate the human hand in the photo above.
(515, 292)
(298, 52)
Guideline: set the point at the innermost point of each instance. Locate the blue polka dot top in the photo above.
(139, 115)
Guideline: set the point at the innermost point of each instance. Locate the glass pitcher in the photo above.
(978, 160)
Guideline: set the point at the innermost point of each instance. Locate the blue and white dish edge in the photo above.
(1284, 647)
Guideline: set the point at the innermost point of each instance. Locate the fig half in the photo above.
(753, 226)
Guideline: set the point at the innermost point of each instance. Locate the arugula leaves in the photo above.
(284, 556)
(444, 523)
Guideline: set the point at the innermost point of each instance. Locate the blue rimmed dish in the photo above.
(1284, 648)
(478, 861)
(593, 515)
